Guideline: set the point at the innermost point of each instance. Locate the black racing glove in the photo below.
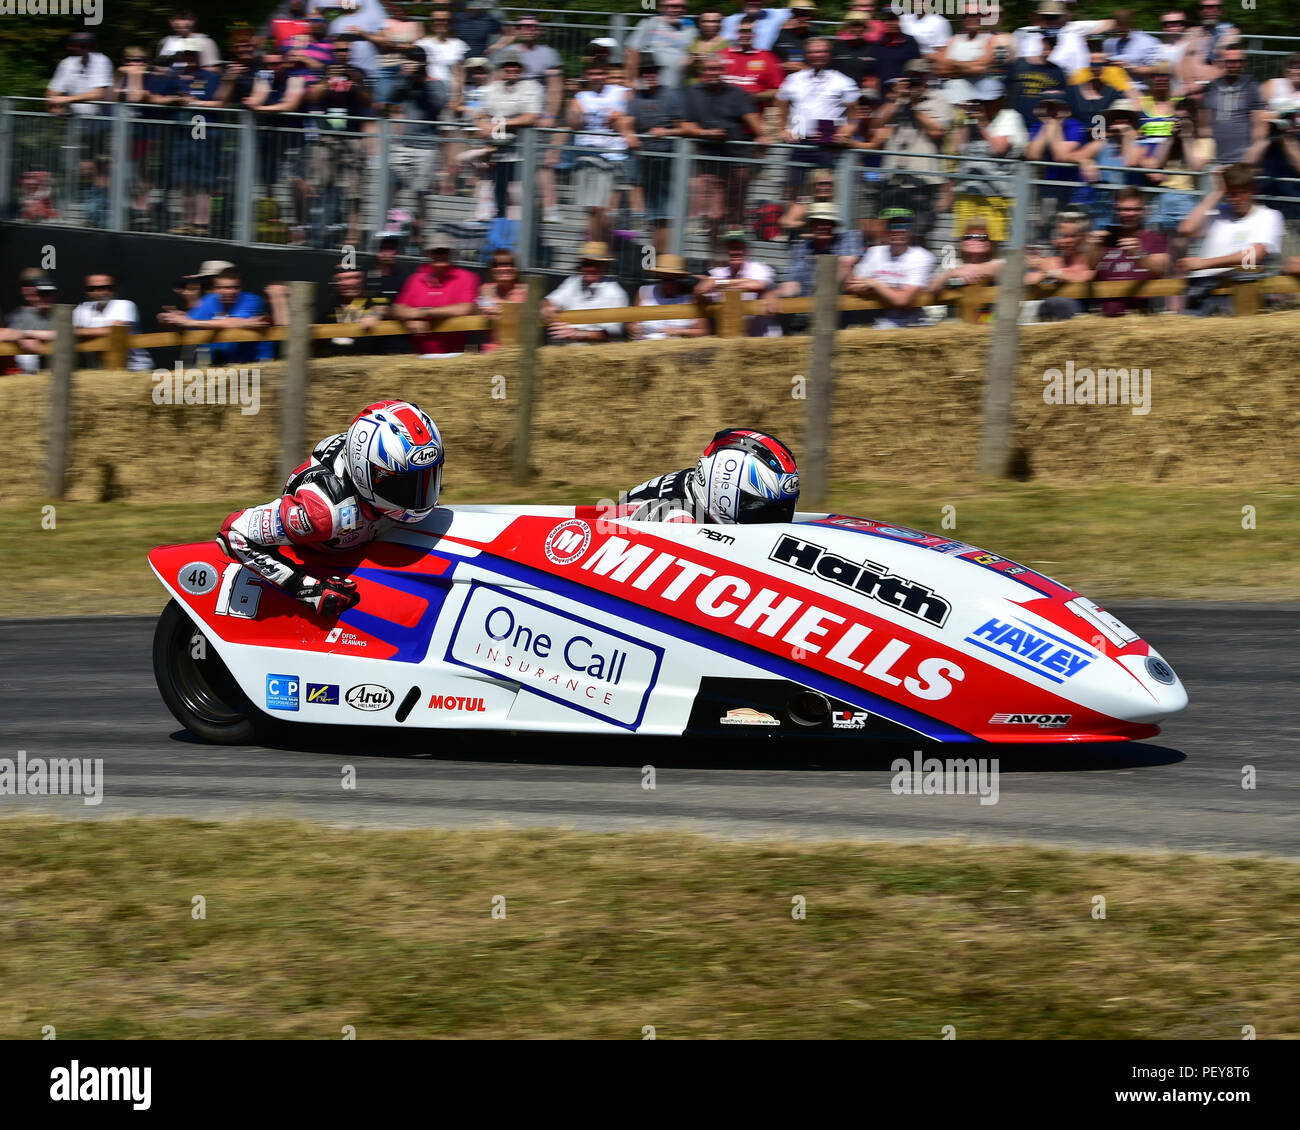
(331, 597)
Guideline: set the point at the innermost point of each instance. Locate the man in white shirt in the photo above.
(1060, 40)
(894, 273)
(1128, 47)
(767, 23)
(600, 168)
(85, 76)
(752, 278)
(183, 31)
(1240, 244)
(446, 60)
(510, 104)
(587, 290)
(818, 108)
(931, 30)
(102, 310)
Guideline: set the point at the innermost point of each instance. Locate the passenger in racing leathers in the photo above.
(742, 477)
(385, 469)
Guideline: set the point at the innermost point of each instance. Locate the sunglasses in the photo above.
(976, 237)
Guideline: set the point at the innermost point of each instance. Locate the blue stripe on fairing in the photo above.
(909, 541)
(1013, 659)
(786, 668)
(1071, 644)
(412, 643)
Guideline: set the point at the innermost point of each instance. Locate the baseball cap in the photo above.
(210, 267)
(437, 241)
(606, 42)
(44, 283)
(734, 235)
(478, 62)
(898, 218)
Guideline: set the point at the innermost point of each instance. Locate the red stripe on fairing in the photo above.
(983, 690)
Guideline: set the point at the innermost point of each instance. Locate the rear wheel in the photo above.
(197, 687)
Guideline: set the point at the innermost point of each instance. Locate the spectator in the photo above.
(185, 30)
(758, 73)
(874, 28)
(791, 45)
(983, 188)
(1070, 263)
(287, 22)
(597, 111)
(823, 237)
(1209, 38)
(101, 310)
(384, 281)
(914, 119)
(414, 136)
(192, 164)
(226, 307)
(446, 60)
(33, 322)
(36, 197)
(352, 28)
(819, 107)
(1126, 251)
(476, 27)
(1284, 92)
(510, 104)
(672, 289)
(978, 267)
(653, 118)
(752, 278)
(316, 49)
(433, 292)
(587, 290)
(1134, 51)
(895, 273)
(337, 159)
(1027, 79)
(467, 110)
(821, 191)
(1158, 118)
(85, 76)
(1172, 164)
(1093, 89)
(603, 52)
(717, 115)
(350, 306)
(767, 24)
(710, 41)
(1232, 109)
(504, 285)
(895, 50)
(665, 40)
(1175, 38)
(240, 74)
(852, 54)
(543, 65)
(1055, 136)
(930, 30)
(1062, 41)
(1277, 158)
(1239, 243)
(968, 54)
(392, 41)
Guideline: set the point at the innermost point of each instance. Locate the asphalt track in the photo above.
(84, 688)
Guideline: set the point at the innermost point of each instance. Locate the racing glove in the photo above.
(331, 597)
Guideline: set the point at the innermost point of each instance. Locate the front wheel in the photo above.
(197, 687)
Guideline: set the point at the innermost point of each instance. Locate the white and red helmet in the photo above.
(746, 476)
(394, 455)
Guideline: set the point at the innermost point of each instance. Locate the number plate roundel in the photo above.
(198, 577)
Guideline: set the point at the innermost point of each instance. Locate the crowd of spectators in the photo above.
(1131, 120)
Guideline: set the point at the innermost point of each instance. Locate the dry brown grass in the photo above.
(1226, 407)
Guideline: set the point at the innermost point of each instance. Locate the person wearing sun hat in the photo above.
(823, 236)
(672, 288)
(752, 278)
(589, 289)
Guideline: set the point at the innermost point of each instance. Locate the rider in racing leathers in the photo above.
(742, 477)
(386, 468)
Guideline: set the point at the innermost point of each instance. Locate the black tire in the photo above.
(201, 693)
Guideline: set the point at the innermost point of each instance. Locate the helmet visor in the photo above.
(754, 509)
(416, 489)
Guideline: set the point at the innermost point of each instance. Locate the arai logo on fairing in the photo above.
(369, 696)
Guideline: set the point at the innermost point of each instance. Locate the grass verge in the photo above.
(309, 928)
(1110, 542)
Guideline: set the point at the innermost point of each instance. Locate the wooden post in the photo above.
(529, 325)
(115, 355)
(62, 359)
(814, 463)
(507, 325)
(731, 322)
(1245, 297)
(996, 448)
(293, 388)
